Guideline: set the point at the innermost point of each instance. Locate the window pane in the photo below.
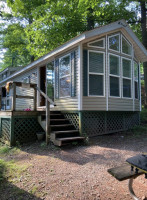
(50, 80)
(126, 47)
(65, 66)
(136, 89)
(114, 65)
(99, 43)
(126, 68)
(96, 84)
(114, 43)
(126, 88)
(136, 75)
(114, 86)
(65, 86)
(96, 62)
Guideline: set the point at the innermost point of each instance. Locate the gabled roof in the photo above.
(10, 69)
(115, 26)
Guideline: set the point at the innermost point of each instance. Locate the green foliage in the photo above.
(138, 130)
(9, 170)
(5, 150)
(42, 25)
(143, 116)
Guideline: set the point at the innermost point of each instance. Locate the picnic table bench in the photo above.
(134, 167)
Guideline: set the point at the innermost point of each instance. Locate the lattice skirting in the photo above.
(25, 129)
(5, 132)
(73, 118)
(98, 123)
(19, 129)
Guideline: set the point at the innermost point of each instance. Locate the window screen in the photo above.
(126, 64)
(136, 80)
(65, 76)
(96, 62)
(114, 86)
(126, 47)
(95, 85)
(126, 88)
(65, 86)
(114, 65)
(114, 42)
(64, 66)
(96, 73)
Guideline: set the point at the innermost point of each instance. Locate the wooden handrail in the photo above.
(45, 96)
(48, 102)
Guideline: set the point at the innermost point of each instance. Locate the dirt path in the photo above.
(77, 172)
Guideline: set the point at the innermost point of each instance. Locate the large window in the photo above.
(126, 77)
(50, 80)
(126, 47)
(114, 42)
(65, 76)
(136, 80)
(96, 73)
(97, 43)
(114, 75)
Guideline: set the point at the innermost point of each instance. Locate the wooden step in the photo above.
(56, 116)
(62, 127)
(68, 140)
(59, 121)
(63, 134)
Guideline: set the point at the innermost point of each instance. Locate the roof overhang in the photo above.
(118, 25)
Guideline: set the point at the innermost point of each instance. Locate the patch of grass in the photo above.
(5, 150)
(138, 130)
(143, 115)
(10, 170)
(34, 190)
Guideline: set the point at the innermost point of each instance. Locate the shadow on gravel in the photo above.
(106, 144)
(8, 191)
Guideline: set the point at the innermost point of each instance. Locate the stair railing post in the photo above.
(47, 121)
(14, 97)
(35, 99)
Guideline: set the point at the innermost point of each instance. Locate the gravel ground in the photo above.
(77, 172)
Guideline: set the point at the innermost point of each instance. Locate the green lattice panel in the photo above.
(131, 119)
(93, 123)
(73, 118)
(25, 129)
(114, 122)
(5, 129)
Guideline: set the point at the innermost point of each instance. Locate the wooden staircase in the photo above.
(62, 131)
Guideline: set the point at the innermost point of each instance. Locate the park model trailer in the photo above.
(92, 84)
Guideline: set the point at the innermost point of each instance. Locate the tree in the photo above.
(143, 5)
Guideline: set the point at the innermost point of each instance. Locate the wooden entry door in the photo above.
(42, 84)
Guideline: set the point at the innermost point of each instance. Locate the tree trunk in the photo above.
(90, 19)
(31, 40)
(144, 41)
